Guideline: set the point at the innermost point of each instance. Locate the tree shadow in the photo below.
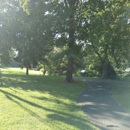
(65, 117)
(57, 101)
(53, 85)
(70, 120)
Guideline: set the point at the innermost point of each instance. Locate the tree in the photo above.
(72, 23)
(109, 33)
(26, 35)
(66, 26)
(5, 46)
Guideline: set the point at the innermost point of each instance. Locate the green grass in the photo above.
(121, 93)
(16, 71)
(40, 103)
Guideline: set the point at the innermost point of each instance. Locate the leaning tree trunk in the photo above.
(105, 64)
(27, 70)
(105, 72)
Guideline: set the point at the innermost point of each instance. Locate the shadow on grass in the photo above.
(24, 82)
(28, 110)
(69, 106)
(50, 84)
(66, 118)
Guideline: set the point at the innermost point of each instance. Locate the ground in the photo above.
(100, 107)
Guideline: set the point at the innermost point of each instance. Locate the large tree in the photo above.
(108, 33)
(66, 25)
(72, 24)
(5, 39)
(25, 33)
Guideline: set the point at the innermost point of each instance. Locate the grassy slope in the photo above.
(121, 93)
(40, 103)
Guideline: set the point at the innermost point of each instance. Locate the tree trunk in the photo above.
(71, 42)
(44, 67)
(105, 73)
(105, 63)
(27, 71)
(69, 77)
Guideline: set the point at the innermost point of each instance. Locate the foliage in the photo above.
(65, 25)
(108, 34)
(5, 47)
(26, 34)
(99, 27)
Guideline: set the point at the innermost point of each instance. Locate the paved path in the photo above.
(101, 109)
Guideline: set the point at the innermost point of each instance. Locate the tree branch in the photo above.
(65, 3)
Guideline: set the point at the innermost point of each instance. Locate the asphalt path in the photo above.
(101, 109)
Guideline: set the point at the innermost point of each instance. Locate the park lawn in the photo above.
(18, 71)
(40, 103)
(121, 93)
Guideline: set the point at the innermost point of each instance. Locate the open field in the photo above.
(40, 103)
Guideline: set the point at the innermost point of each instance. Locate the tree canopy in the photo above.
(36, 28)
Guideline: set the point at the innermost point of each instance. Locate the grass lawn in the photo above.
(121, 93)
(40, 103)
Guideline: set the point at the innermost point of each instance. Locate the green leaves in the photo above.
(40, 25)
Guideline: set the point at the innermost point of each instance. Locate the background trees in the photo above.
(108, 34)
(5, 39)
(64, 30)
(26, 34)
(66, 27)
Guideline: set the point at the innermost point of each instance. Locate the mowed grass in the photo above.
(121, 93)
(40, 103)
